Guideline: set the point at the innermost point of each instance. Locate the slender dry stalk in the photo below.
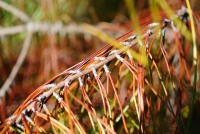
(7, 84)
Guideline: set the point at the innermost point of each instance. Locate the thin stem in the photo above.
(195, 64)
(17, 66)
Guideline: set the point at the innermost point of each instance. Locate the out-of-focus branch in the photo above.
(12, 30)
(17, 66)
(30, 27)
(14, 11)
(43, 27)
